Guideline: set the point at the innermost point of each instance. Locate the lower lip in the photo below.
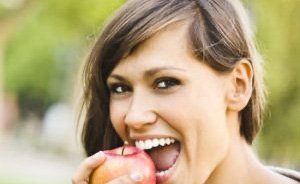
(168, 173)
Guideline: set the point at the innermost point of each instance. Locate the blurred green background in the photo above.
(42, 47)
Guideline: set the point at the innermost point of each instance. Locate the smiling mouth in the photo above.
(164, 153)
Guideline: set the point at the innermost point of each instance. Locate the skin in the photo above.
(163, 90)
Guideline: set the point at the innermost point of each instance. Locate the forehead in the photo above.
(167, 48)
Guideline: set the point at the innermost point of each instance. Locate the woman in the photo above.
(183, 70)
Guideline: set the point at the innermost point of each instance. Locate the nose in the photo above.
(140, 113)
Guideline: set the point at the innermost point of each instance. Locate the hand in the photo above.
(133, 178)
(88, 165)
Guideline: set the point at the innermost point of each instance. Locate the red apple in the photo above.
(122, 161)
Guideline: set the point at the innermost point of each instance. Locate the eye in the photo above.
(166, 83)
(119, 88)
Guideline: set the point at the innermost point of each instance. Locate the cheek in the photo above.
(193, 107)
(200, 118)
(117, 114)
(207, 116)
(209, 134)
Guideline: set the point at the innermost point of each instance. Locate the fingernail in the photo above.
(136, 176)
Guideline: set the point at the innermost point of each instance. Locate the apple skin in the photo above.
(116, 164)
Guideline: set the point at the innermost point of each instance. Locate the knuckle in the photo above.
(74, 180)
(87, 163)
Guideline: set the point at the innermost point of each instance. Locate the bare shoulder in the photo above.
(288, 176)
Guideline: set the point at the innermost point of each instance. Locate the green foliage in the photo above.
(3, 12)
(278, 35)
(47, 44)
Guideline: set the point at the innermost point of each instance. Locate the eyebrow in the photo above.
(148, 73)
(118, 77)
(153, 71)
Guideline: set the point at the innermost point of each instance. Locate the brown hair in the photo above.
(219, 35)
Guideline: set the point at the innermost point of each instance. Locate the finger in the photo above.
(133, 178)
(87, 166)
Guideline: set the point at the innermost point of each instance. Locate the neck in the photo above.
(241, 166)
(237, 167)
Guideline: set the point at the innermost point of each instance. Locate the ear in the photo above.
(240, 85)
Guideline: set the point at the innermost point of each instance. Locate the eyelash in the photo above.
(169, 82)
(114, 88)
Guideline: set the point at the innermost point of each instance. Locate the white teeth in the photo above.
(162, 142)
(168, 141)
(162, 173)
(148, 144)
(140, 144)
(155, 142)
(152, 143)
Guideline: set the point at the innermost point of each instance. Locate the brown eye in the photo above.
(166, 83)
(119, 88)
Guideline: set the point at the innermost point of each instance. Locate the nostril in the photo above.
(139, 119)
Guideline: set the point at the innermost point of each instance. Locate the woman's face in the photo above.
(162, 91)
